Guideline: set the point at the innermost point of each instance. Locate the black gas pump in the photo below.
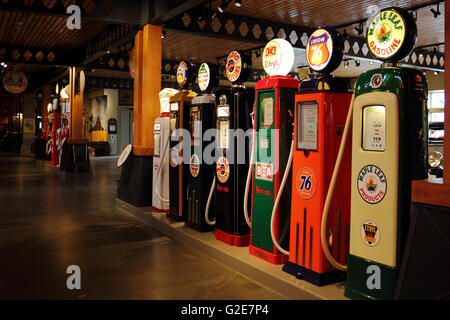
(233, 122)
(201, 171)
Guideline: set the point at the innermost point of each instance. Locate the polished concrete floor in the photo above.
(50, 220)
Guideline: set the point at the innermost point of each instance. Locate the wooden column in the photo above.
(76, 110)
(45, 100)
(147, 84)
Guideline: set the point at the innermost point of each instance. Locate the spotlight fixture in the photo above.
(238, 3)
(345, 35)
(437, 12)
(223, 6)
(346, 64)
(436, 73)
(358, 63)
(370, 62)
(258, 53)
(163, 34)
(360, 29)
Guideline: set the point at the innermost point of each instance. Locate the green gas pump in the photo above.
(389, 150)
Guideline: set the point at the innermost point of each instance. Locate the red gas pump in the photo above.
(274, 112)
(56, 124)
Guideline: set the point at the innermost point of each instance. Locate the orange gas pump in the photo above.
(321, 108)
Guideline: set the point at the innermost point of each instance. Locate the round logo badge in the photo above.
(174, 157)
(204, 76)
(181, 73)
(233, 66)
(194, 165)
(15, 82)
(376, 81)
(372, 184)
(386, 33)
(370, 233)
(305, 183)
(223, 169)
(319, 49)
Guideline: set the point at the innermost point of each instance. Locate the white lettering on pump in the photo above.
(374, 280)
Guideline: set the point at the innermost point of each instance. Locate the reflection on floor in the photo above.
(50, 220)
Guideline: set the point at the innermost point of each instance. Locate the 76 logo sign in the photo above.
(305, 183)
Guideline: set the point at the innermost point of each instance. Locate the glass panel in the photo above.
(267, 112)
(307, 125)
(223, 131)
(156, 145)
(374, 128)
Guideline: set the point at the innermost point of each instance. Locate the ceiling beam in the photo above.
(168, 14)
(259, 31)
(120, 12)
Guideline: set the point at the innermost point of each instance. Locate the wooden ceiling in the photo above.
(34, 30)
(29, 29)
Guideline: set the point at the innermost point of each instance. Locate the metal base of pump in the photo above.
(319, 279)
(232, 239)
(160, 210)
(135, 184)
(361, 278)
(67, 158)
(199, 227)
(175, 217)
(268, 256)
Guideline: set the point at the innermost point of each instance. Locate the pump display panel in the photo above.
(267, 112)
(156, 144)
(374, 128)
(307, 125)
(223, 134)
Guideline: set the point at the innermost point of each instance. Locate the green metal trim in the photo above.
(357, 276)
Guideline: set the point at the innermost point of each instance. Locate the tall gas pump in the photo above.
(233, 111)
(180, 104)
(274, 115)
(321, 107)
(389, 150)
(201, 173)
(161, 129)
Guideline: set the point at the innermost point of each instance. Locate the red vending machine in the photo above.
(321, 108)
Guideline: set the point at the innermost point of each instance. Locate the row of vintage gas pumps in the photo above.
(322, 183)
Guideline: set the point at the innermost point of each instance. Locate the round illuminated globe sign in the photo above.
(15, 82)
(278, 57)
(204, 76)
(238, 66)
(324, 50)
(208, 77)
(185, 74)
(391, 34)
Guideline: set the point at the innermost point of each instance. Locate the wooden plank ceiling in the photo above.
(33, 30)
(28, 29)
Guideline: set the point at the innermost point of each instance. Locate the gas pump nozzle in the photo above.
(249, 174)
(280, 191)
